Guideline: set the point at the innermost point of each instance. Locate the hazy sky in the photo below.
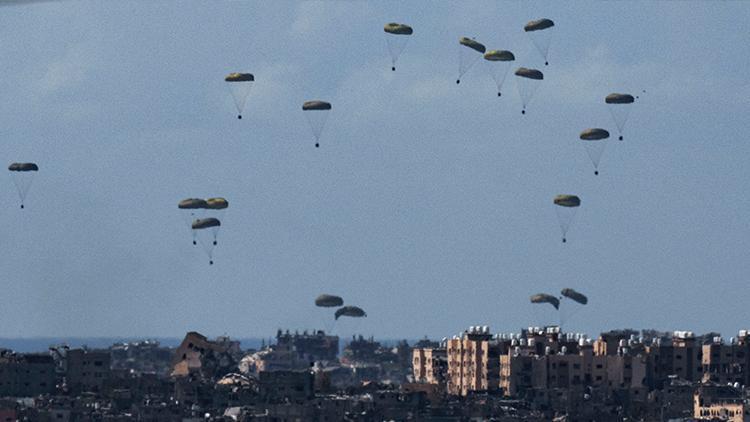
(429, 204)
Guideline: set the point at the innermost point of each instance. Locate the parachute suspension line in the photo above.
(240, 91)
(396, 45)
(466, 59)
(317, 120)
(22, 181)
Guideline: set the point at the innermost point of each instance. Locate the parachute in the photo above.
(397, 36)
(595, 140)
(527, 82)
(498, 63)
(619, 109)
(350, 311)
(467, 55)
(540, 33)
(23, 176)
(192, 204)
(545, 298)
(191, 210)
(317, 113)
(328, 301)
(567, 205)
(239, 86)
(216, 203)
(206, 230)
(575, 296)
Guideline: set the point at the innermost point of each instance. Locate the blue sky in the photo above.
(429, 204)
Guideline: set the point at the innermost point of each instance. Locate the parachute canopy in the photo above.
(538, 25)
(350, 311)
(23, 167)
(205, 223)
(567, 201)
(240, 77)
(499, 56)
(619, 99)
(529, 73)
(316, 105)
(474, 45)
(192, 204)
(594, 134)
(328, 301)
(216, 203)
(574, 295)
(398, 29)
(545, 298)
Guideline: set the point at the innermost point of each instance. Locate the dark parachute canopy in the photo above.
(473, 44)
(205, 223)
(574, 295)
(567, 201)
(239, 77)
(350, 311)
(538, 25)
(398, 29)
(216, 203)
(594, 134)
(499, 56)
(529, 73)
(545, 298)
(316, 105)
(615, 98)
(23, 167)
(328, 301)
(192, 204)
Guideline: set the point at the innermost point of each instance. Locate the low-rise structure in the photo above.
(26, 375)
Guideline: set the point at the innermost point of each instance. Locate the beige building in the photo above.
(197, 354)
(429, 365)
(718, 402)
(473, 362)
(521, 371)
